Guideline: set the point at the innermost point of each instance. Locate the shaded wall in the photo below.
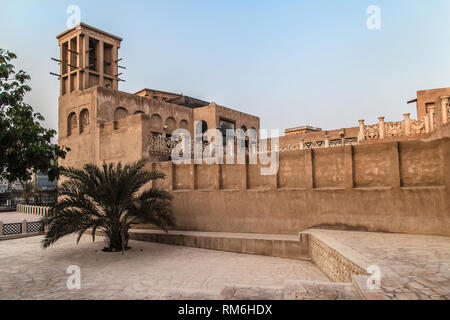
(393, 187)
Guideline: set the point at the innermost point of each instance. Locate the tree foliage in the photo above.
(110, 198)
(26, 146)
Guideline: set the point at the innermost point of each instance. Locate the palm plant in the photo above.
(111, 199)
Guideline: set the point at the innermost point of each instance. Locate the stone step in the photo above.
(293, 290)
(340, 262)
(281, 246)
(337, 260)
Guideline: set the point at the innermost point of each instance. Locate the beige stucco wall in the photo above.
(111, 139)
(429, 96)
(109, 100)
(82, 145)
(392, 187)
(213, 113)
(122, 140)
(319, 136)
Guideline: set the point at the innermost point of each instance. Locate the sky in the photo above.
(292, 62)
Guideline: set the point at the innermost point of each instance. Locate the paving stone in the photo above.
(158, 272)
(406, 296)
(415, 285)
(412, 266)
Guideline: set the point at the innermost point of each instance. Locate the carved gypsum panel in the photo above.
(394, 129)
(372, 132)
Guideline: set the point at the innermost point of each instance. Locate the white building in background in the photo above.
(4, 185)
(16, 186)
(40, 180)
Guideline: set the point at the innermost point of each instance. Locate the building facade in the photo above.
(433, 113)
(100, 123)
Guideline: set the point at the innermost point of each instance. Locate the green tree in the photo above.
(111, 199)
(26, 146)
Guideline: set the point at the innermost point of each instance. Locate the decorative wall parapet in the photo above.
(362, 129)
(162, 145)
(384, 129)
(395, 129)
(381, 128)
(372, 132)
(407, 124)
(320, 144)
(417, 127)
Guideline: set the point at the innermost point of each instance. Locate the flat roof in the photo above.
(80, 25)
(159, 91)
(435, 89)
(303, 128)
(179, 99)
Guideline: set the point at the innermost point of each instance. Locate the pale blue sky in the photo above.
(290, 62)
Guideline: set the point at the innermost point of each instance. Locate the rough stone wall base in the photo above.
(335, 265)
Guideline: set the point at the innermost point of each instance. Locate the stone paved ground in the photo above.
(147, 271)
(293, 290)
(412, 266)
(15, 217)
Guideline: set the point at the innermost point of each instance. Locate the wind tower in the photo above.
(88, 58)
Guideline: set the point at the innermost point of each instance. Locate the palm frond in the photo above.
(111, 198)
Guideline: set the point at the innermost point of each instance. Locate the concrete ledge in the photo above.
(338, 261)
(260, 244)
(20, 236)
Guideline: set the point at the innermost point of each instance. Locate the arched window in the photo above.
(139, 112)
(224, 127)
(184, 124)
(244, 143)
(253, 138)
(156, 122)
(120, 113)
(170, 126)
(202, 127)
(72, 124)
(85, 121)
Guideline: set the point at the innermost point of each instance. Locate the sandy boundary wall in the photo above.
(387, 187)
